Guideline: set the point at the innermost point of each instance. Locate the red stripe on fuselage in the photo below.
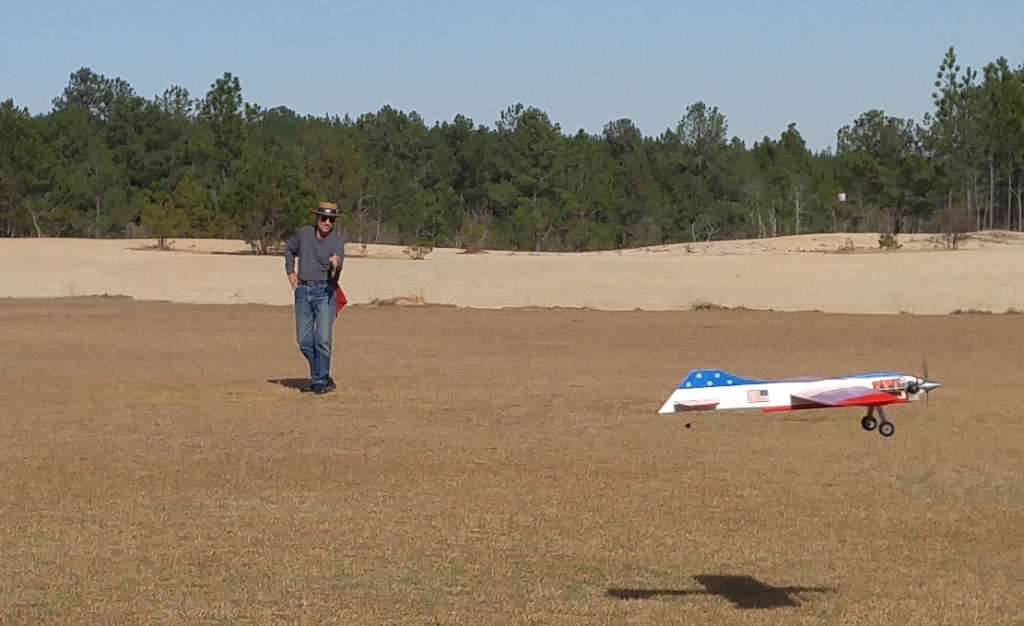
(859, 402)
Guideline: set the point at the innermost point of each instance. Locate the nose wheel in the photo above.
(884, 426)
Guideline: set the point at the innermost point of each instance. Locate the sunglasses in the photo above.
(327, 219)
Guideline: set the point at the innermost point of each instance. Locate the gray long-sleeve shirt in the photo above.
(313, 254)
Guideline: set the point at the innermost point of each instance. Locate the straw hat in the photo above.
(330, 209)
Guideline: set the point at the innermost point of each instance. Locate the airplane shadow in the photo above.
(291, 383)
(744, 592)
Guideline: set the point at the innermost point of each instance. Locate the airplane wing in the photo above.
(847, 396)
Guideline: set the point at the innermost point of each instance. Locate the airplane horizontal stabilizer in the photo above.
(694, 405)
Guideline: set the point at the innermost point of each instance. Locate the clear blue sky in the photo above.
(763, 63)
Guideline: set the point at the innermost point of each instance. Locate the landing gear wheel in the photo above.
(886, 429)
(868, 422)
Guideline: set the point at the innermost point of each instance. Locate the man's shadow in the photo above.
(744, 592)
(291, 383)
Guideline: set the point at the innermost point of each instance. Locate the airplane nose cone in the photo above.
(929, 385)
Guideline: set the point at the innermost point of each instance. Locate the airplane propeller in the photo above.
(922, 383)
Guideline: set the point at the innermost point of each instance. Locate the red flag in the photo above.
(342, 300)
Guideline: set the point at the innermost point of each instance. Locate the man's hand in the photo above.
(293, 278)
(335, 259)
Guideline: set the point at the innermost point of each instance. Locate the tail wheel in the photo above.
(886, 429)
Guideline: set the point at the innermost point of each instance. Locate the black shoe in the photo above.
(306, 389)
(316, 388)
(328, 387)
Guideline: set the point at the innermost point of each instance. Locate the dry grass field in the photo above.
(157, 466)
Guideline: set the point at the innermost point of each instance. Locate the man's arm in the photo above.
(290, 250)
(341, 253)
(337, 260)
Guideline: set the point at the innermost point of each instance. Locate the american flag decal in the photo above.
(757, 395)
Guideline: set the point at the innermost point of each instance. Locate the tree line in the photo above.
(107, 162)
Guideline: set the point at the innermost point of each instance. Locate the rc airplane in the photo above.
(716, 390)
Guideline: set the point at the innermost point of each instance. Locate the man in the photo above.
(320, 252)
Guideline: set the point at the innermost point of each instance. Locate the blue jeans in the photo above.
(314, 322)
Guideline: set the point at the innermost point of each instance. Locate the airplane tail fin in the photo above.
(689, 397)
(714, 378)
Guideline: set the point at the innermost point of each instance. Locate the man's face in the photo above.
(324, 224)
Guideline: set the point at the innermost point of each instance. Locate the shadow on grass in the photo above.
(744, 592)
(291, 383)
